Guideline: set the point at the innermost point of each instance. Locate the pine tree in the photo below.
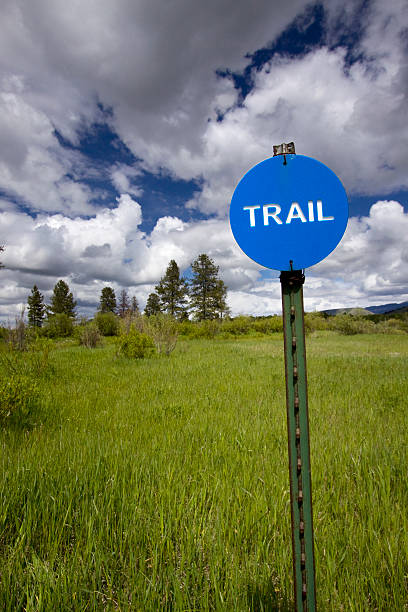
(152, 305)
(36, 308)
(207, 291)
(172, 291)
(220, 299)
(134, 306)
(62, 301)
(124, 303)
(107, 301)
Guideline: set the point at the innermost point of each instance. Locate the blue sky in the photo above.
(126, 126)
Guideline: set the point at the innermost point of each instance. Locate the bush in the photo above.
(107, 323)
(202, 329)
(350, 325)
(37, 358)
(186, 328)
(164, 331)
(32, 363)
(314, 321)
(89, 335)
(136, 345)
(18, 336)
(231, 327)
(58, 326)
(20, 373)
(133, 319)
(391, 326)
(207, 329)
(269, 325)
(237, 327)
(19, 395)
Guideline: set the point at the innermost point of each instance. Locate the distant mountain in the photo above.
(382, 309)
(353, 311)
(387, 308)
(397, 310)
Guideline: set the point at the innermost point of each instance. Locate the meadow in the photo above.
(162, 483)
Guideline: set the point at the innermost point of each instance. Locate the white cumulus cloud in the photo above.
(368, 267)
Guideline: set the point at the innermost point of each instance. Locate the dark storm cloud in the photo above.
(94, 250)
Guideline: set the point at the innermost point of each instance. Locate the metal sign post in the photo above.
(288, 213)
(298, 440)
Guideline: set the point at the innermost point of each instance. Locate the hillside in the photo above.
(386, 308)
(352, 311)
(381, 309)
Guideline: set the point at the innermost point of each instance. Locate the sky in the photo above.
(125, 127)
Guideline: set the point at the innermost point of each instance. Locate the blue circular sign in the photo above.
(287, 209)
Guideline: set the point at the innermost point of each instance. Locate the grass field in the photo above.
(162, 484)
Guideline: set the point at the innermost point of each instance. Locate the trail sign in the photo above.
(288, 213)
(289, 208)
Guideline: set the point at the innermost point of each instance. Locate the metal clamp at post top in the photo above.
(292, 277)
(286, 148)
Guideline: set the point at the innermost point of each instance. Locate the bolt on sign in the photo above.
(287, 213)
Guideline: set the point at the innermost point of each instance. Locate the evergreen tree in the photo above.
(124, 303)
(172, 291)
(152, 305)
(36, 308)
(221, 299)
(107, 301)
(134, 306)
(207, 291)
(62, 301)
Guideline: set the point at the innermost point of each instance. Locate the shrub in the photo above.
(136, 345)
(58, 326)
(18, 336)
(186, 328)
(207, 329)
(89, 335)
(391, 326)
(107, 323)
(37, 358)
(31, 363)
(203, 329)
(315, 322)
(20, 372)
(231, 327)
(133, 319)
(350, 325)
(269, 325)
(19, 395)
(237, 327)
(164, 331)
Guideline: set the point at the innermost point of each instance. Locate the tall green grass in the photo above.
(162, 484)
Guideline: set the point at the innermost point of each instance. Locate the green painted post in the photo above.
(298, 441)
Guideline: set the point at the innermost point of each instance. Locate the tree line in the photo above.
(203, 296)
